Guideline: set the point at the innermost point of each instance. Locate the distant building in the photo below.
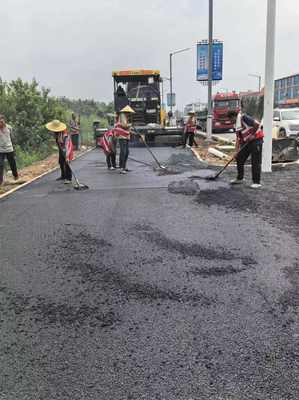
(194, 107)
(287, 91)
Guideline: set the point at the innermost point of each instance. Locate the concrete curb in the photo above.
(2, 196)
(197, 155)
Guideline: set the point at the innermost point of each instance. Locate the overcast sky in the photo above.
(72, 46)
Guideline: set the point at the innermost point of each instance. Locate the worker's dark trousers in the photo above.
(111, 160)
(189, 136)
(66, 172)
(253, 148)
(12, 163)
(124, 153)
(76, 141)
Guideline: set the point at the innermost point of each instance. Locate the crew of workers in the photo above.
(249, 142)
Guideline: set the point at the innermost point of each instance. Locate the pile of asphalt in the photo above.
(181, 162)
(191, 187)
(185, 160)
(187, 187)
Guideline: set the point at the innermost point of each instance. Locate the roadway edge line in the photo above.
(11, 191)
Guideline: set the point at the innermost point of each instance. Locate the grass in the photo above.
(26, 158)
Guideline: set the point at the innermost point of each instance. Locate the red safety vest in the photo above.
(121, 132)
(106, 142)
(190, 126)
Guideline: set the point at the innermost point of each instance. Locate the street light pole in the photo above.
(269, 86)
(210, 73)
(259, 78)
(170, 71)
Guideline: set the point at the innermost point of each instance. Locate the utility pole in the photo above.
(269, 86)
(210, 73)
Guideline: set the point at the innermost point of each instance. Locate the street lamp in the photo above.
(259, 78)
(170, 70)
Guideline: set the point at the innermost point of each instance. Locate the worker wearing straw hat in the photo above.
(122, 132)
(65, 148)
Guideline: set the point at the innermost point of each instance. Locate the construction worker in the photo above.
(123, 134)
(6, 150)
(249, 143)
(108, 144)
(190, 129)
(65, 149)
(75, 131)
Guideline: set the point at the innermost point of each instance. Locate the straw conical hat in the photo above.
(127, 109)
(56, 126)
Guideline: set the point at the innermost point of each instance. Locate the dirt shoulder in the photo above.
(33, 171)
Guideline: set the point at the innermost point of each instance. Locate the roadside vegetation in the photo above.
(88, 112)
(28, 107)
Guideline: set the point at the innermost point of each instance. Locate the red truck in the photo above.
(223, 103)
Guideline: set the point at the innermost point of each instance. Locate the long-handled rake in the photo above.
(78, 185)
(149, 150)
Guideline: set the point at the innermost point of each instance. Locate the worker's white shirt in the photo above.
(5, 140)
(239, 122)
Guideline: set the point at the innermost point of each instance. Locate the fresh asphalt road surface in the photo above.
(127, 291)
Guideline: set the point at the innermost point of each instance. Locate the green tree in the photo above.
(27, 109)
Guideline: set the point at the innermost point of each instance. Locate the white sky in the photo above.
(72, 46)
